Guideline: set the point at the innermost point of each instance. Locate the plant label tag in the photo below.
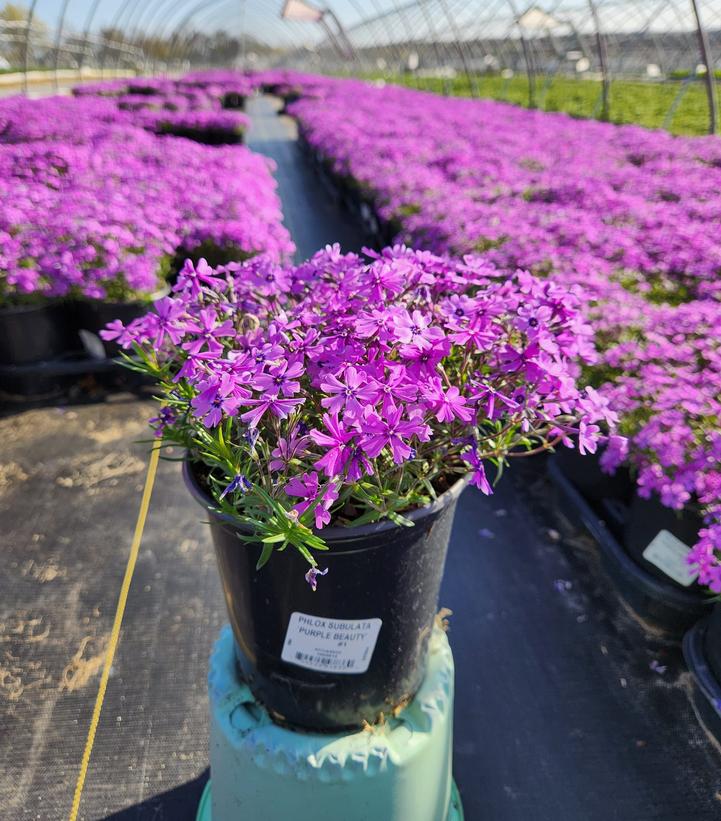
(331, 645)
(669, 555)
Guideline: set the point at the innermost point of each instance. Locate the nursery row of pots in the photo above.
(197, 107)
(98, 212)
(644, 544)
(572, 216)
(46, 346)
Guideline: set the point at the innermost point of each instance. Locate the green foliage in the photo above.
(631, 101)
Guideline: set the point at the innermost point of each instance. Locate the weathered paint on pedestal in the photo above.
(395, 772)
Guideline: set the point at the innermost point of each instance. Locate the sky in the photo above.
(261, 18)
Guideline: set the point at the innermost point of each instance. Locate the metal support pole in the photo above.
(114, 25)
(436, 48)
(86, 31)
(400, 14)
(461, 51)
(708, 62)
(342, 34)
(28, 26)
(58, 40)
(332, 39)
(603, 62)
(527, 56)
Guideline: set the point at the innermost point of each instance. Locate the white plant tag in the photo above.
(333, 645)
(93, 344)
(669, 555)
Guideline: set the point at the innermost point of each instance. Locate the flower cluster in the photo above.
(665, 371)
(93, 206)
(630, 216)
(348, 390)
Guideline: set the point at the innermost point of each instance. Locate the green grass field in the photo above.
(642, 103)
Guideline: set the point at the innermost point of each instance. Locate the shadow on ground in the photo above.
(178, 804)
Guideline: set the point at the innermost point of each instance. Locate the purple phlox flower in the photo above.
(164, 321)
(447, 404)
(281, 378)
(477, 333)
(206, 331)
(588, 436)
(458, 310)
(514, 360)
(116, 331)
(394, 388)
(391, 431)
(267, 354)
(518, 397)
(384, 278)
(218, 397)
(193, 277)
(292, 447)
(277, 406)
(421, 363)
(533, 318)
(165, 419)
(478, 476)
(337, 440)
(308, 487)
(308, 344)
(251, 437)
(414, 329)
(312, 577)
(615, 453)
(495, 402)
(193, 367)
(358, 465)
(351, 392)
(376, 322)
(239, 482)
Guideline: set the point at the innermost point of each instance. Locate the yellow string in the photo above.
(115, 632)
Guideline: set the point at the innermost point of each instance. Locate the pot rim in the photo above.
(46, 303)
(334, 533)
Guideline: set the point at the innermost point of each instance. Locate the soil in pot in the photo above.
(356, 647)
(646, 519)
(36, 333)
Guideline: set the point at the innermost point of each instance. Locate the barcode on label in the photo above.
(325, 661)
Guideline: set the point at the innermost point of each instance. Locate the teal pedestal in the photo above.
(399, 771)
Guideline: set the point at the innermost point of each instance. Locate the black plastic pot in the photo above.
(206, 136)
(701, 652)
(712, 642)
(646, 518)
(584, 471)
(233, 101)
(658, 602)
(95, 314)
(36, 333)
(379, 571)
